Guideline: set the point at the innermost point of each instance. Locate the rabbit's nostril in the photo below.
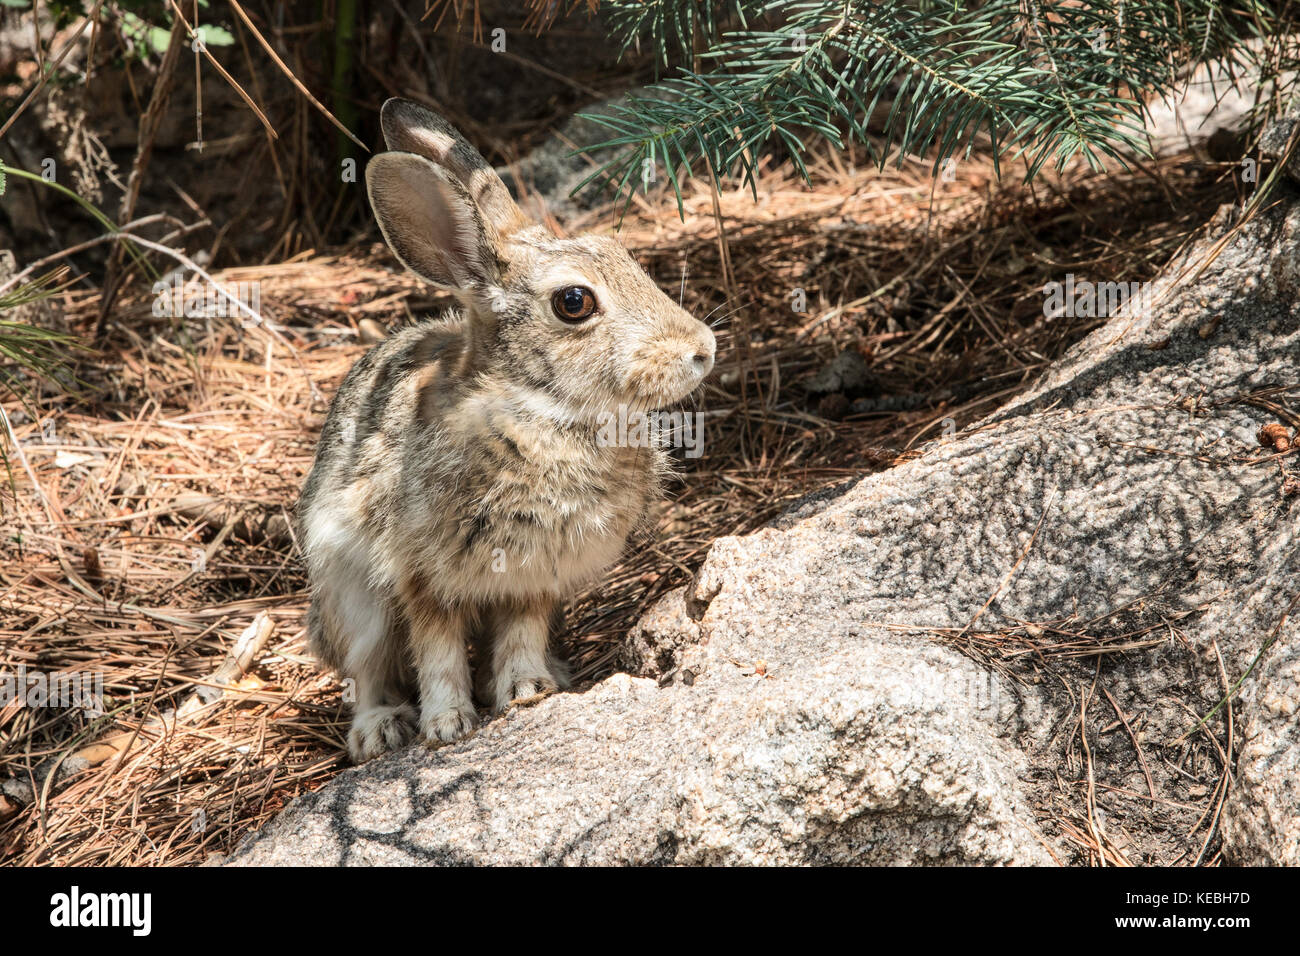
(695, 363)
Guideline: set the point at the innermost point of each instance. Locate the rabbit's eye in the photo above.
(575, 303)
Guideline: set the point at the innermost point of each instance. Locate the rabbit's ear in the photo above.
(431, 223)
(413, 128)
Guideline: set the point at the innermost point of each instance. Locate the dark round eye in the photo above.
(574, 303)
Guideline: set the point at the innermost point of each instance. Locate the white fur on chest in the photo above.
(540, 507)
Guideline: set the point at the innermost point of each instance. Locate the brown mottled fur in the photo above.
(459, 491)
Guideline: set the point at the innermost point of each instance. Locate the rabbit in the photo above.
(460, 490)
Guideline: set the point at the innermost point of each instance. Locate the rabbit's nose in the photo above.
(700, 362)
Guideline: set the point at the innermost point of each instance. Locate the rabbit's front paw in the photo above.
(380, 729)
(448, 725)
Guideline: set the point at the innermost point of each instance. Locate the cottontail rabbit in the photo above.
(460, 490)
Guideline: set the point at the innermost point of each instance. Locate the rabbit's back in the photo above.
(375, 405)
(354, 484)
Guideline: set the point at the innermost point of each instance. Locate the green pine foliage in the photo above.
(1044, 81)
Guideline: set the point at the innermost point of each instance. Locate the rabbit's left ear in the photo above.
(413, 128)
(431, 223)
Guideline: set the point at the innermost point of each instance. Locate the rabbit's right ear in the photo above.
(430, 222)
(412, 128)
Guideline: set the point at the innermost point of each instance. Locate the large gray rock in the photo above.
(817, 695)
(737, 769)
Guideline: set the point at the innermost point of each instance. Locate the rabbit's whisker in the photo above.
(722, 304)
(722, 318)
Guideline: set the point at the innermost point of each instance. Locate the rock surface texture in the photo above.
(994, 653)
